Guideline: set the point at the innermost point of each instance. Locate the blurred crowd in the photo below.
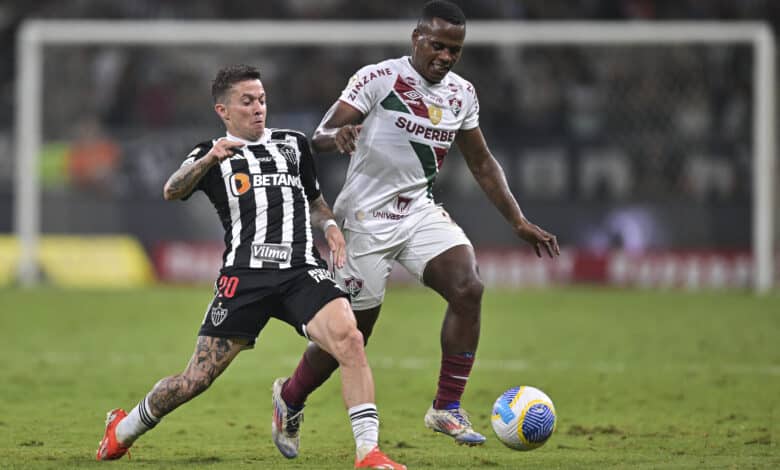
(646, 124)
(350, 9)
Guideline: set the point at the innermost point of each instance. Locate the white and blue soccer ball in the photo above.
(523, 418)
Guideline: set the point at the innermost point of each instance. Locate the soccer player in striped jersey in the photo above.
(397, 120)
(263, 185)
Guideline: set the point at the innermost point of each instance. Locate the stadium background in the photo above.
(615, 151)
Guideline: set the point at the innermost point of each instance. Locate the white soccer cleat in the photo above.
(286, 424)
(454, 423)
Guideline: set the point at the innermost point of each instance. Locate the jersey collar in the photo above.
(263, 138)
(420, 79)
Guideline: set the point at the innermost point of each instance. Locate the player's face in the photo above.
(244, 111)
(436, 48)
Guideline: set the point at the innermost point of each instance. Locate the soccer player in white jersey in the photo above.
(397, 119)
(263, 184)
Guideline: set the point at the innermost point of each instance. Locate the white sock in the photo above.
(138, 421)
(365, 427)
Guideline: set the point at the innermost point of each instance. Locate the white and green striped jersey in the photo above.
(409, 126)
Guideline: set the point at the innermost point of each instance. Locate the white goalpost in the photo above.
(34, 35)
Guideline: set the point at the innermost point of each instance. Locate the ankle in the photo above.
(362, 451)
(445, 405)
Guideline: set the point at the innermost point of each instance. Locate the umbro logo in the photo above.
(413, 95)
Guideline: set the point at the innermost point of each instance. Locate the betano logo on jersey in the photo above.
(240, 183)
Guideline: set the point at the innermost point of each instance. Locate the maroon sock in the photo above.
(453, 375)
(304, 380)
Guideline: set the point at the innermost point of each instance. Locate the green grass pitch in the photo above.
(639, 379)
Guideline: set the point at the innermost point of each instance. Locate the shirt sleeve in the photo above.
(308, 170)
(471, 120)
(363, 91)
(196, 154)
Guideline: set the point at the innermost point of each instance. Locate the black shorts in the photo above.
(244, 300)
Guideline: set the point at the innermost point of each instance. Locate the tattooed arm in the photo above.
(320, 212)
(183, 181)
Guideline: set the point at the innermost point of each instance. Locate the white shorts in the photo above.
(418, 238)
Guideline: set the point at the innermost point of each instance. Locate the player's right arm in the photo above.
(183, 181)
(339, 129)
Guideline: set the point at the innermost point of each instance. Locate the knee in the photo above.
(353, 341)
(350, 346)
(468, 291)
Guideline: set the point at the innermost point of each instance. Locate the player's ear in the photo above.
(415, 39)
(221, 111)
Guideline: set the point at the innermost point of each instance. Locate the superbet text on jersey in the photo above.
(408, 129)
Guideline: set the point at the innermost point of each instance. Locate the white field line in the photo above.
(414, 363)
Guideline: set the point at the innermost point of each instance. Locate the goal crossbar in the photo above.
(33, 35)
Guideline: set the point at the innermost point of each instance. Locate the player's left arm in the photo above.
(490, 176)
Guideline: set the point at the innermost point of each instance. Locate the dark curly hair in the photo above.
(448, 11)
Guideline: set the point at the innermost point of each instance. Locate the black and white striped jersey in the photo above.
(262, 197)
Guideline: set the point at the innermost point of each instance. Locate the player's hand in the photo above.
(538, 238)
(223, 149)
(346, 138)
(337, 246)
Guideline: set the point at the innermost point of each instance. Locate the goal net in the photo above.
(648, 148)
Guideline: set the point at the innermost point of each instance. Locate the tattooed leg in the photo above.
(211, 357)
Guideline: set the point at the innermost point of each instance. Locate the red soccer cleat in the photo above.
(110, 448)
(377, 459)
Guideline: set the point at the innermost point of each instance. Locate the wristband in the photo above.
(328, 223)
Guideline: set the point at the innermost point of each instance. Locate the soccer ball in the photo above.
(523, 418)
